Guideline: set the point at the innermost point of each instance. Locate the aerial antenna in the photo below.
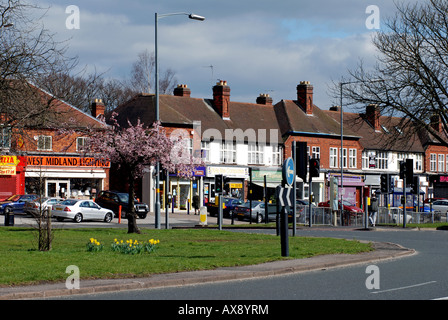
(211, 68)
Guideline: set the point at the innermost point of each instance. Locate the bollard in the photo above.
(119, 214)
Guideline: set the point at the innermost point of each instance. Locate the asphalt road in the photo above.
(422, 276)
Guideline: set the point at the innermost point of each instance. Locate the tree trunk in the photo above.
(131, 215)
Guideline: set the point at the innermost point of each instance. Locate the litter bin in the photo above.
(9, 219)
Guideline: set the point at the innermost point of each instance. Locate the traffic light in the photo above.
(415, 185)
(218, 183)
(402, 169)
(407, 170)
(385, 183)
(314, 167)
(301, 160)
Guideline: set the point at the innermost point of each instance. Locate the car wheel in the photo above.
(78, 218)
(108, 217)
(259, 218)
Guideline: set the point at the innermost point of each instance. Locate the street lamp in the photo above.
(157, 17)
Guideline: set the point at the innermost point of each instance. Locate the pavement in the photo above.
(383, 251)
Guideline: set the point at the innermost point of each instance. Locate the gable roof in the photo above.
(178, 111)
(293, 120)
(393, 135)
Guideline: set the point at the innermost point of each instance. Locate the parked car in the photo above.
(440, 206)
(258, 212)
(34, 207)
(229, 205)
(16, 203)
(114, 199)
(347, 207)
(80, 210)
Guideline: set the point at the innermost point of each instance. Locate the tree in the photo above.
(410, 78)
(142, 75)
(136, 146)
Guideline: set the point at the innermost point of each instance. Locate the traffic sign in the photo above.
(285, 196)
(288, 171)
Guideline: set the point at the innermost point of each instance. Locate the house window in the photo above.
(44, 143)
(382, 161)
(228, 152)
(344, 157)
(255, 155)
(5, 138)
(433, 162)
(205, 151)
(352, 158)
(441, 165)
(81, 144)
(316, 152)
(419, 162)
(333, 157)
(276, 155)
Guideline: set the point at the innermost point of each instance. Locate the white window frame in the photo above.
(433, 162)
(352, 158)
(228, 152)
(44, 143)
(441, 163)
(333, 157)
(255, 154)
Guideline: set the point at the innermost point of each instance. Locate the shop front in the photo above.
(183, 190)
(234, 181)
(66, 177)
(11, 176)
(352, 190)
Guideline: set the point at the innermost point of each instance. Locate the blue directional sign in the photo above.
(288, 171)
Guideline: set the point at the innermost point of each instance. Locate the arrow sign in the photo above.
(285, 196)
(288, 171)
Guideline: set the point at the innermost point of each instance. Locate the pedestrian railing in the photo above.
(395, 216)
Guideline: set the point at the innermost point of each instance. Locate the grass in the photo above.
(178, 250)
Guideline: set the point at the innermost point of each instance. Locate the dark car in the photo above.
(16, 203)
(258, 212)
(114, 199)
(229, 205)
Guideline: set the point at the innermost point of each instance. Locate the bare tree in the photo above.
(410, 78)
(143, 74)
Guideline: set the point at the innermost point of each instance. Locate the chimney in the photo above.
(373, 116)
(305, 96)
(436, 124)
(265, 99)
(98, 108)
(182, 91)
(221, 99)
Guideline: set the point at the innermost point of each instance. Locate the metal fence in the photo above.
(395, 216)
(325, 216)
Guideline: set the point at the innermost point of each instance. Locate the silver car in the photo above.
(80, 210)
(440, 206)
(243, 212)
(40, 206)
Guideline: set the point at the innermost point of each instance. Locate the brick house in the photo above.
(48, 159)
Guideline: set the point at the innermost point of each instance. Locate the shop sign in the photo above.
(67, 162)
(9, 161)
(7, 171)
(8, 165)
(235, 172)
(271, 175)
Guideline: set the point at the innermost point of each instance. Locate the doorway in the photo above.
(57, 188)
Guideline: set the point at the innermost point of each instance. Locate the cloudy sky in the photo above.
(256, 46)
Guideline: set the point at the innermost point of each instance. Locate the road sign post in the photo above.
(284, 201)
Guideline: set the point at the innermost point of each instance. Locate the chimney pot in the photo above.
(182, 90)
(305, 96)
(264, 98)
(98, 108)
(221, 99)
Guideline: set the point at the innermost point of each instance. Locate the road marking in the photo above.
(407, 287)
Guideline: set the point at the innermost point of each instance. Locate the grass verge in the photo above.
(178, 250)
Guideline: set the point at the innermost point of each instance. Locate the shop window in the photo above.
(5, 138)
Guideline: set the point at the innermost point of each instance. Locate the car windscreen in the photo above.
(124, 197)
(69, 202)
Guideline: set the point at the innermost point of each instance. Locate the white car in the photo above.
(396, 215)
(80, 210)
(440, 206)
(33, 207)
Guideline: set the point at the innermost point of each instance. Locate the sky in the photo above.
(256, 46)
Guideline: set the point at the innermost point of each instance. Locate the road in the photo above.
(422, 276)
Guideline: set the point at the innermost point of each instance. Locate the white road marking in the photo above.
(407, 287)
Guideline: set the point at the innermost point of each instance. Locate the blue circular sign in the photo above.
(288, 171)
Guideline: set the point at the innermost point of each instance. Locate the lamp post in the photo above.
(157, 17)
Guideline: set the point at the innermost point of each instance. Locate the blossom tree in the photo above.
(136, 146)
